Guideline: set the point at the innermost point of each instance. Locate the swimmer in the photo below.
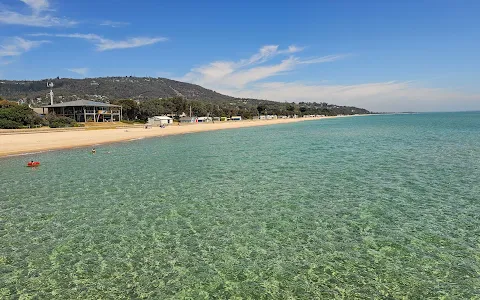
(94, 151)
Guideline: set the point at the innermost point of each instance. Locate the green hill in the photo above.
(141, 89)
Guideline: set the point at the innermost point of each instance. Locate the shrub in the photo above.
(16, 116)
(60, 122)
(9, 124)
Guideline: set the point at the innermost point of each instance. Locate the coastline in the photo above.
(13, 144)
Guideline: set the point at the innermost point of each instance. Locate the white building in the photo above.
(268, 117)
(160, 120)
(236, 118)
(204, 119)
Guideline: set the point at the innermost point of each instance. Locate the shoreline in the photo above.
(17, 144)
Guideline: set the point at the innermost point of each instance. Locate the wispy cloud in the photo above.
(388, 96)
(40, 16)
(129, 43)
(104, 44)
(114, 24)
(14, 18)
(37, 5)
(325, 59)
(222, 74)
(250, 77)
(17, 46)
(80, 71)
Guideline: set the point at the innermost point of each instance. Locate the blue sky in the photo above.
(381, 55)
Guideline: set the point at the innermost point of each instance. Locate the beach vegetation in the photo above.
(55, 121)
(130, 108)
(13, 116)
(9, 124)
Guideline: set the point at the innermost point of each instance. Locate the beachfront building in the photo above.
(160, 120)
(267, 117)
(86, 111)
(188, 120)
(224, 119)
(236, 118)
(204, 119)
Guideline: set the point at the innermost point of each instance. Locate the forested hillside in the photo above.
(147, 92)
(106, 89)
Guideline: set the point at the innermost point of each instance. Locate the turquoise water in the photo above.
(377, 207)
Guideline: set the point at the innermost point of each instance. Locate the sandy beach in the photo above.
(15, 143)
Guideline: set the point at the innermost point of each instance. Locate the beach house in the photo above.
(188, 119)
(86, 111)
(160, 120)
(204, 119)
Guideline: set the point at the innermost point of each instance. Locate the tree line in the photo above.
(13, 115)
(133, 110)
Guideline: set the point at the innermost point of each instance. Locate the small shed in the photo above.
(204, 119)
(160, 120)
(236, 118)
(188, 119)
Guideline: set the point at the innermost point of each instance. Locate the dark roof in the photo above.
(82, 103)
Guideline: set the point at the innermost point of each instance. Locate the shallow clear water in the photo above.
(368, 207)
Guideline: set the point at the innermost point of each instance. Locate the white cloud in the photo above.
(114, 24)
(294, 49)
(17, 46)
(129, 43)
(229, 74)
(243, 77)
(14, 18)
(381, 96)
(80, 71)
(247, 78)
(37, 5)
(103, 44)
(324, 59)
(39, 16)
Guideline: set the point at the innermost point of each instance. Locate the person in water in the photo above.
(94, 151)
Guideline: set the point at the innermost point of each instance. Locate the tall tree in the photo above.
(129, 107)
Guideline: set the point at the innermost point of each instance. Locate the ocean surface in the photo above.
(375, 207)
